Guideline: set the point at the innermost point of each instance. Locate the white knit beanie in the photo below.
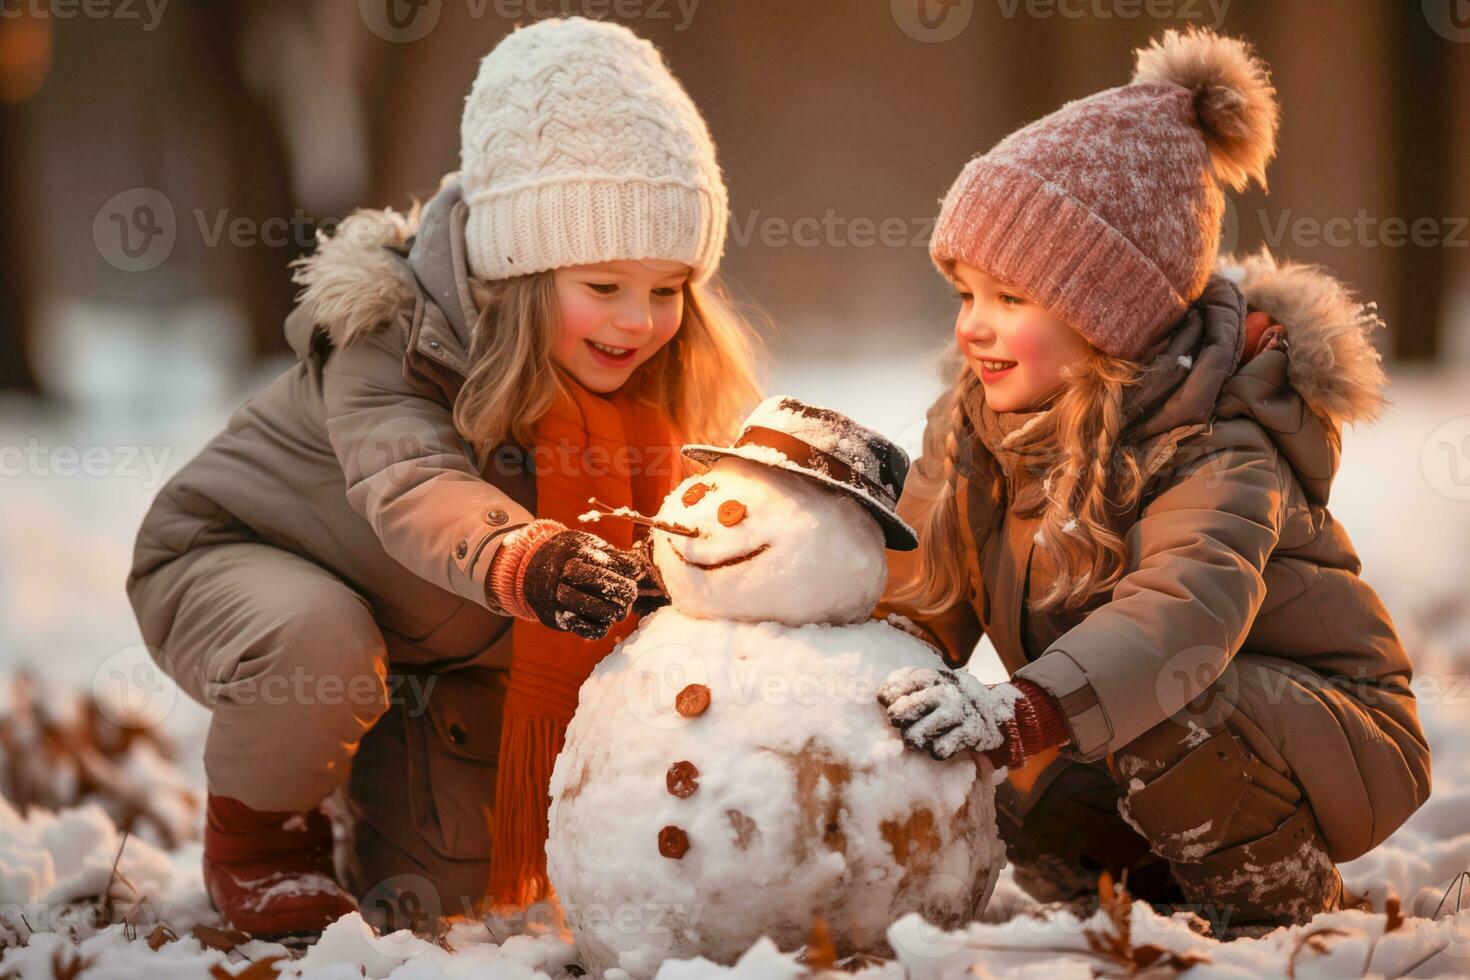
(578, 146)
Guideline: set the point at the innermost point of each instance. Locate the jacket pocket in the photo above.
(454, 745)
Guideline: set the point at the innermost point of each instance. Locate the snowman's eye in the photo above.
(696, 493)
(731, 512)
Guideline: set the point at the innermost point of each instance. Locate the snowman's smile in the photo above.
(724, 563)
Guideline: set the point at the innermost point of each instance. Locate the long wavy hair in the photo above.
(1091, 480)
(704, 378)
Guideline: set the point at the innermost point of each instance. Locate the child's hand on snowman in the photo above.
(944, 712)
(567, 580)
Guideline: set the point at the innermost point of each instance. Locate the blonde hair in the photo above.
(1092, 481)
(704, 378)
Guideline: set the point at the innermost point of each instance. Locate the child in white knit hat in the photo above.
(544, 331)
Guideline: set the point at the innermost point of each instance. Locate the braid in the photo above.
(1094, 480)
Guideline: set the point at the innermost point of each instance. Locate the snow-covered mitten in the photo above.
(567, 580)
(944, 712)
(271, 874)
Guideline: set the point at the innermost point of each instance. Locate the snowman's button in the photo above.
(673, 843)
(692, 701)
(731, 512)
(682, 779)
(695, 494)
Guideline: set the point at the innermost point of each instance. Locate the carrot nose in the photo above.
(731, 512)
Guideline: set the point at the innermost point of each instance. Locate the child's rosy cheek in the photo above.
(1027, 343)
(577, 322)
(667, 325)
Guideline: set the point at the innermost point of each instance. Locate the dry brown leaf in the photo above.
(56, 758)
(1105, 888)
(224, 940)
(1316, 940)
(1115, 945)
(265, 969)
(68, 969)
(821, 953)
(160, 935)
(1393, 909)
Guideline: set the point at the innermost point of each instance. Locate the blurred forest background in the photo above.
(218, 135)
(163, 161)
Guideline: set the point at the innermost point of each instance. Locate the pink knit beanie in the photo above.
(1107, 212)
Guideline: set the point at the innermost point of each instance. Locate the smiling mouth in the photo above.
(612, 356)
(726, 563)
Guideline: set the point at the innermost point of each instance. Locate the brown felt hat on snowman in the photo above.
(789, 524)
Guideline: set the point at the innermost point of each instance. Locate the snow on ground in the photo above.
(77, 484)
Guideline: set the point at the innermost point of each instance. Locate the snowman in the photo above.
(729, 773)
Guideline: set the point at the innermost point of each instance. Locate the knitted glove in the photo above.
(651, 592)
(943, 712)
(567, 580)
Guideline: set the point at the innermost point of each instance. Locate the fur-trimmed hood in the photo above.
(354, 282)
(1331, 360)
(379, 265)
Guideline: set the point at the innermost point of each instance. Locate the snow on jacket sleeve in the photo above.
(1187, 600)
(409, 473)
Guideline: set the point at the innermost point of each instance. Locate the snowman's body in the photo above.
(726, 778)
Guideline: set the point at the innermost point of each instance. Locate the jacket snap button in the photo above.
(434, 345)
(496, 517)
(457, 734)
(462, 549)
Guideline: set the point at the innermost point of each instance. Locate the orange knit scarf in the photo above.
(623, 453)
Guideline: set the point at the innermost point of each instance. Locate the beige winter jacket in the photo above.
(352, 461)
(1233, 552)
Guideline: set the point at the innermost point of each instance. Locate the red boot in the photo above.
(271, 874)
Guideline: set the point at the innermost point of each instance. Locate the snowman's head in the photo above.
(773, 545)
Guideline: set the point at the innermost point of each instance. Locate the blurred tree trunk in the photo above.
(257, 183)
(15, 280)
(1421, 133)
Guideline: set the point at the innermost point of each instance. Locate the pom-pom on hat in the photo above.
(1107, 212)
(578, 146)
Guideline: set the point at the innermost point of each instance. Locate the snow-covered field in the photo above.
(76, 486)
